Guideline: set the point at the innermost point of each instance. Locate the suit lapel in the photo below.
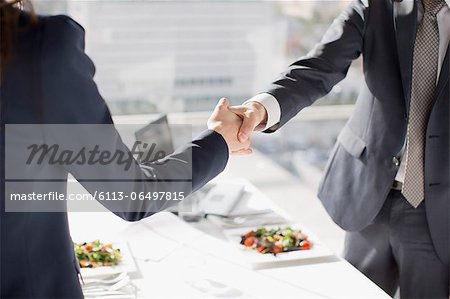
(405, 14)
(444, 75)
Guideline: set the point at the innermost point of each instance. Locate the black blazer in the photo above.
(50, 81)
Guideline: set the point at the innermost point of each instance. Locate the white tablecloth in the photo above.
(176, 260)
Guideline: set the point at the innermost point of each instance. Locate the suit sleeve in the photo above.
(72, 98)
(314, 75)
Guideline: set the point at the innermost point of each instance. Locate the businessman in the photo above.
(387, 181)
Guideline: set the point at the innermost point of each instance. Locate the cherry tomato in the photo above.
(88, 247)
(249, 233)
(305, 244)
(249, 241)
(260, 248)
(277, 249)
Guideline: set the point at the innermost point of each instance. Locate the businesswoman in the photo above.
(46, 78)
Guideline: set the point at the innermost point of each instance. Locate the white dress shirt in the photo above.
(443, 18)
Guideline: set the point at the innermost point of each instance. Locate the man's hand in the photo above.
(227, 124)
(254, 117)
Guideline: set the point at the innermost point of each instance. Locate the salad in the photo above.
(276, 241)
(96, 254)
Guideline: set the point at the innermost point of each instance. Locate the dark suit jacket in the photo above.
(362, 167)
(50, 81)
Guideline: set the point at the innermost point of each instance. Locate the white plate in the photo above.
(127, 264)
(256, 259)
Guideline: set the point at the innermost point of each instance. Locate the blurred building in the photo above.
(175, 56)
(181, 56)
(184, 55)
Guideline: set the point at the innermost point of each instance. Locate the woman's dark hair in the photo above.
(10, 11)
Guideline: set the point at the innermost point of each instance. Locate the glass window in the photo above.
(161, 56)
(182, 56)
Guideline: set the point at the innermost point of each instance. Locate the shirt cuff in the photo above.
(272, 107)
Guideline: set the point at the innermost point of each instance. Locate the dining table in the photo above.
(172, 256)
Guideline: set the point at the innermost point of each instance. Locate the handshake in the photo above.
(237, 123)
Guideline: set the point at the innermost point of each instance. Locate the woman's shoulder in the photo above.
(63, 22)
(61, 26)
(62, 38)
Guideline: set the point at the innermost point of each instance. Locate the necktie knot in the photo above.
(433, 6)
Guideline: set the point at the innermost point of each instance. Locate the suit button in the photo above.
(396, 161)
